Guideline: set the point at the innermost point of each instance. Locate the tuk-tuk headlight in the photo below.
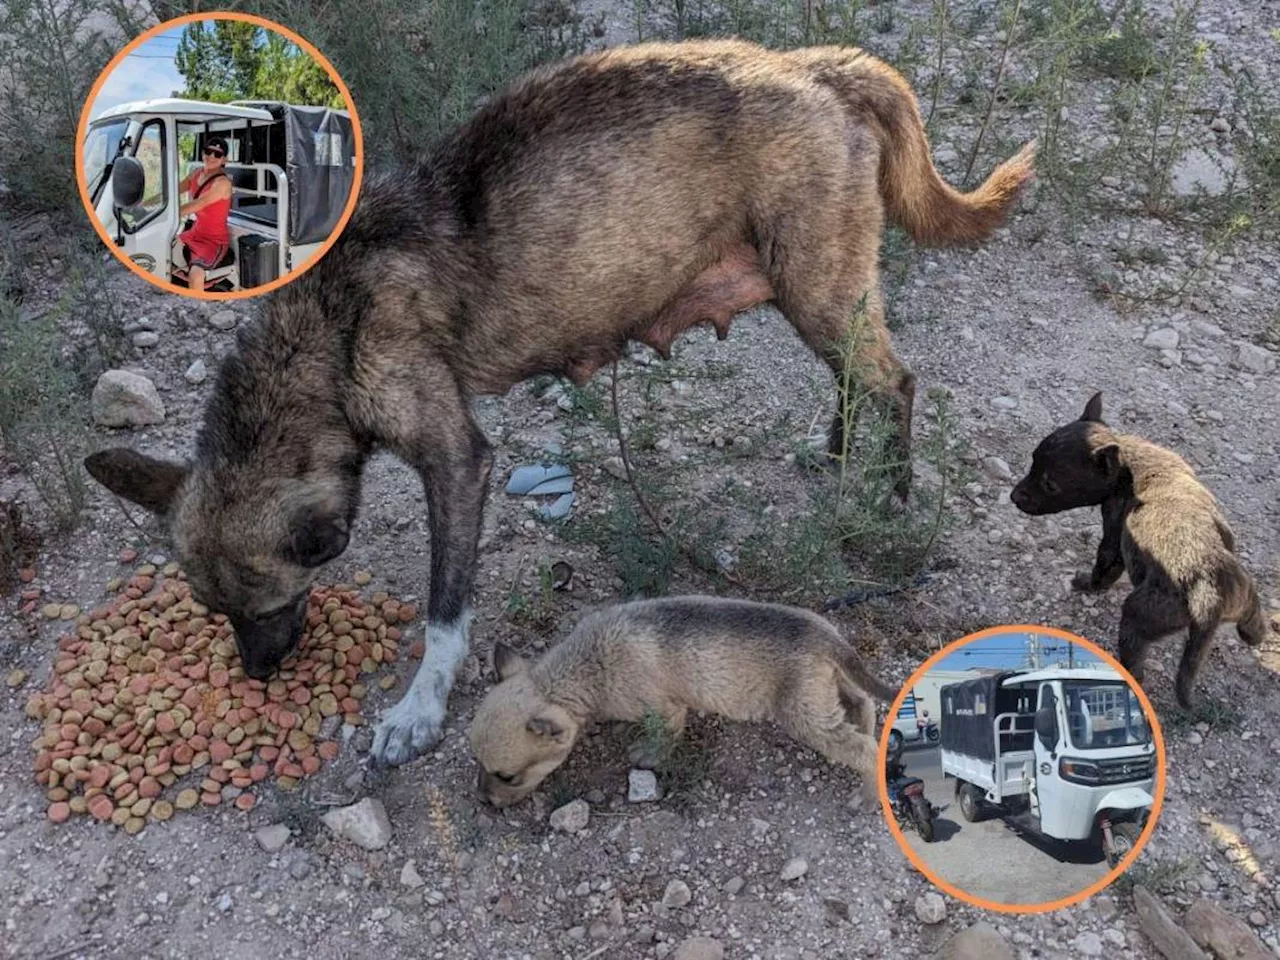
(1074, 770)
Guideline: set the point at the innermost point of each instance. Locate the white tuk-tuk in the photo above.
(292, 170)
(1067, 754)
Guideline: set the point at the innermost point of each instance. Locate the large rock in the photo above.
(979, 942)
(124, 399)
(365, 823)
(1172, 942)
(1225, 934)
(1198, 169)
(931, 908)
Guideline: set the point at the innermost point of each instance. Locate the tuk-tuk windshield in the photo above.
(100, 148)
(1101, 714)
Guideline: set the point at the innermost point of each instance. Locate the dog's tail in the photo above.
(1252, 623)
(932, 211)
(855, 675)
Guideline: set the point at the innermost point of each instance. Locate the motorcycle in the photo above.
(906, 797)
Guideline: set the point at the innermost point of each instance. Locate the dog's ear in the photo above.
(1093, 409)
(315, 536)
(1107, 457)
(507, 662)
(546, 725)
(140, 479)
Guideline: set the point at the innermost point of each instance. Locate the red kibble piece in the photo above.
(300, 696)
(310, 765)
(149, 786)
(258, 772)
(269, 753)
(101, 807)
(166, 723)
(408, 612)
(286, 720)
(199, 742)
(350, 705)
(219, 678)
(254, 698)
(183, 753)
(245, 801)
(220, 750)
(197, 671)
(59, 812)
(329, 750)
(417, 649)
(220, 774)
(211, 799)
(293, 770)
(140, 685)
(26, 575)
(128, 555)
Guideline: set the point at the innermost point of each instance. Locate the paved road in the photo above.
(990, 859)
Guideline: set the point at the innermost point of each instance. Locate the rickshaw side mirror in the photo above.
(1047, 727)
(128, 182)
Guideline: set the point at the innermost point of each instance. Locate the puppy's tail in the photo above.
(854, 678)
(1252, 624)
(932, 211)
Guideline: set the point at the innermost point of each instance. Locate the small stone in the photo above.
(409, 876)
(615, 468)
(997, 468)
(1220, 125)
(196, 373)
(1254, 359)
(642, 786)
(1223, 933)
(945, 154)
(794, 869)
(733, 886)
(676, 895)
(124, 399)
(272, 838)
(1165, 338)
(931, 908)
(571, 817)
(223, 319)
(1004, 403)
(979, 942)
(364, 824)
(1088, 944)
(224, 903)
(699, 948)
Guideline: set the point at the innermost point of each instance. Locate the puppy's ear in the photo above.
(140, 479)
(546, 725)
(1107, 457)
(1093, 409)
(315, 536)
(507, 662)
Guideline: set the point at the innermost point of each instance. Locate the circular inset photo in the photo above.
(219, 155)
(1022, 769)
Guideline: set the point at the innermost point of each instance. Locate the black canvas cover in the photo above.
(969, 710)
(317, 148)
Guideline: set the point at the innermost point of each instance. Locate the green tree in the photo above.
(228, 60)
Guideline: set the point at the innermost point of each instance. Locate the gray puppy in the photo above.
(742, 660)
(1161, 525)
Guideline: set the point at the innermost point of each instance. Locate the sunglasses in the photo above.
(212, 152)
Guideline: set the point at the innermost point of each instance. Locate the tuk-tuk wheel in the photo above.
(1124, 837)
(971, 803)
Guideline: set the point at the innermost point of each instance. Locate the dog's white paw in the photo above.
(406, 730)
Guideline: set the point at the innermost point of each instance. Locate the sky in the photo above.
(148, 71)
(1009, 651)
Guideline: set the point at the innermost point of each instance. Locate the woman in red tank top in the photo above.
(206, 243)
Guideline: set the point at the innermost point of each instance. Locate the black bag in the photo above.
(259, 261)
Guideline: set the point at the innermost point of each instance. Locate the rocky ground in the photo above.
(764, 850)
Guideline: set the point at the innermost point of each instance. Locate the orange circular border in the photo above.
(951, 889)
(311, 51)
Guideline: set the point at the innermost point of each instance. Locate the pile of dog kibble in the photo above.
(148, 709)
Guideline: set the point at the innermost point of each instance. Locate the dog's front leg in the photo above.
(456, 480)
(1110, 561)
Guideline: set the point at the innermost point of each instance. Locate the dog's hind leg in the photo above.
(454, 460)
(815, 714)
(1147, 615)
(1204, 603)
(833, 300)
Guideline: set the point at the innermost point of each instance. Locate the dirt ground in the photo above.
(1014, 333)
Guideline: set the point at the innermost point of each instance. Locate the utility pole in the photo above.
(1071, 655)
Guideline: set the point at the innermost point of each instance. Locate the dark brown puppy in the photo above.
(1161, 525)
(624, 195)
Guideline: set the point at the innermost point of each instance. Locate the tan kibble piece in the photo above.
(140, 808)
(387, 682)
(69, 611)
(362, 577)
(120, 816)
(51, 611)
(187, 799)
(134, 825)
(161, 810)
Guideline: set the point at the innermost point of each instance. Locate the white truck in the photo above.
(292, 170)
(1067, 754)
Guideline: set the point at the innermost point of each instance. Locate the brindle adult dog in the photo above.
(624, 195)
